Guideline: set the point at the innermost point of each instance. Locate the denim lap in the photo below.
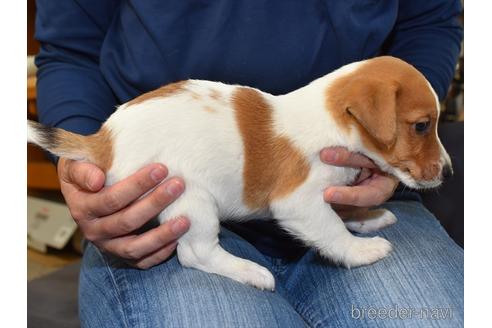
(169, 295)
(420, 284)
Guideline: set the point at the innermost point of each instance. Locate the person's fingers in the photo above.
(349, 212)
(76, 180)
(136, 247)
(379, 178)
(363, 175)
(339, 156)
(83, 175)
(116, 197)
(375, 191)
(356, 196)
(137, 214)
(156, 258)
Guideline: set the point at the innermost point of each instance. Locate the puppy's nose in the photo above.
(447, 171)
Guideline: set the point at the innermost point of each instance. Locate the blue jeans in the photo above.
(420, 284)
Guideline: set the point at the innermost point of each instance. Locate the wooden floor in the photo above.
(40, 264)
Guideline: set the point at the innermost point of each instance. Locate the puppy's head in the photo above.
(395, 112)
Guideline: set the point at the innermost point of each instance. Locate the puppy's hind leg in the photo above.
(199, 248)
(372, 220)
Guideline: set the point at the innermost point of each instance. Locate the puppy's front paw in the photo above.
(362, 251)
(374, 220)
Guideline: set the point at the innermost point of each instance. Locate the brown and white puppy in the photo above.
(243, 152)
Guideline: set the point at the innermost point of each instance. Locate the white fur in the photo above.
(445, 159)
(32, 136)
(373, 220)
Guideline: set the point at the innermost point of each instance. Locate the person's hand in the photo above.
(372, 188)
(108, 216)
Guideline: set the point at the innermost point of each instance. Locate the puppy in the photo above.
(244, 153)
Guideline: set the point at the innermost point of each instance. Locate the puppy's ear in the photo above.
(372, 103)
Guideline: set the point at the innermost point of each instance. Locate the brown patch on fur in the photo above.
(165, 91)
(383, 98)
(273, 167)
(215, 94)
(101, 145)
(209, 109)
(98, 147)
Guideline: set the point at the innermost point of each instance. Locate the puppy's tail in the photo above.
(96, 148)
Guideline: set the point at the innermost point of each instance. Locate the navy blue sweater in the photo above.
(96, 54)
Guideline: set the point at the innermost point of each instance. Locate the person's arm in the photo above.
(72, 94)
(427, 35)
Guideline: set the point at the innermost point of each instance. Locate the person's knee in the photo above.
(99, 302)
(171, 295)
(221, 302)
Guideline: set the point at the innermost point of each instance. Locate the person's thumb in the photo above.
(85, 175)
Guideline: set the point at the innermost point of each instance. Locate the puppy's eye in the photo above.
(422, 127)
